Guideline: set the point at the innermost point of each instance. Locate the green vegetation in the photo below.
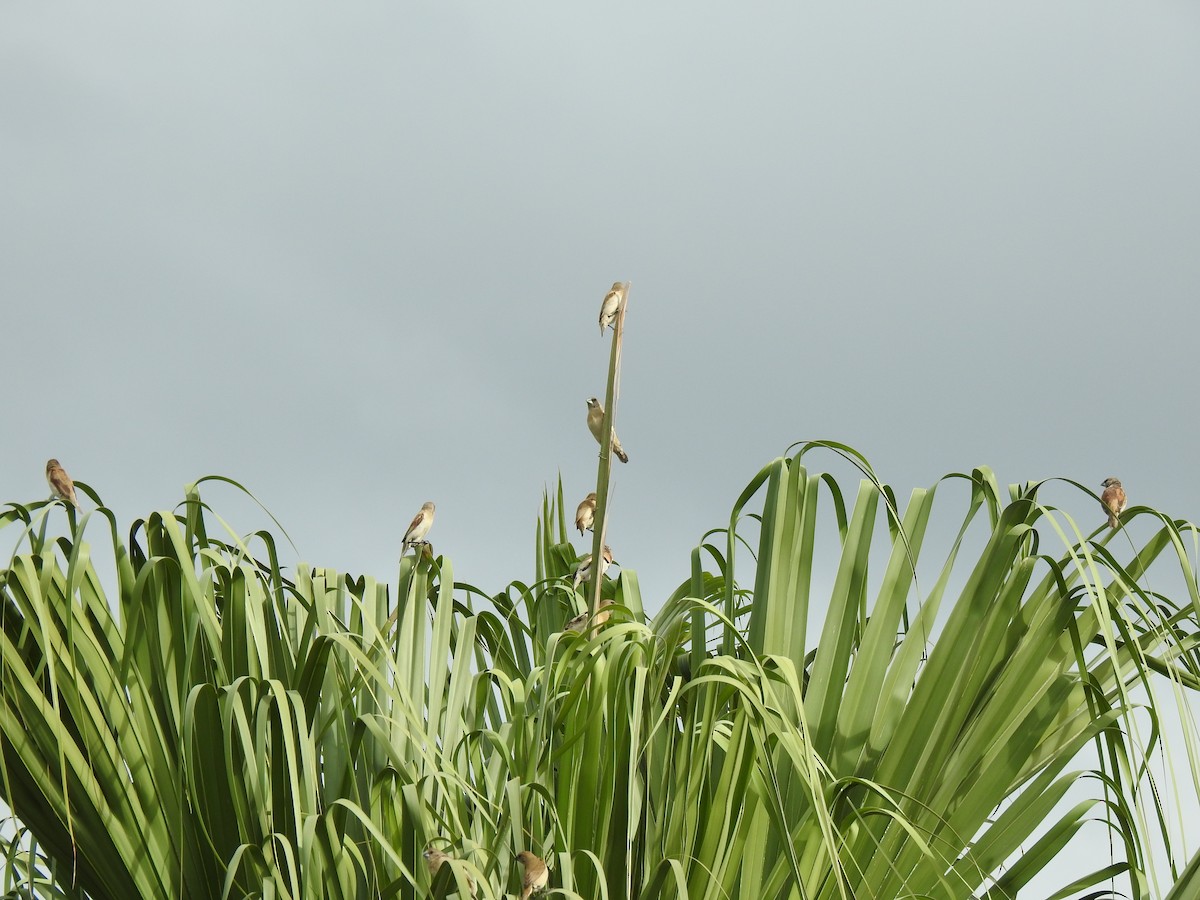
(217, 727)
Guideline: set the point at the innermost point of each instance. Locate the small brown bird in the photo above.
(595, 419)
(609, 305)
(420, 526)
(576, 623)
(535, 877)
(584, 572)
(61, 485)
(1113, 499)
(434, 859)
(585, 512)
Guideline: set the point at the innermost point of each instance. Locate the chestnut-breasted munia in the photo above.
(585, 512)
(584, 572)
(609, 306)
(595, 420)
(1113, 499)
(434, 859)
(61, 485)
(576, 623)
(420, 526)
(535, 876)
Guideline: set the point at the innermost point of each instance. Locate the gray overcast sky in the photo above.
(352, 255)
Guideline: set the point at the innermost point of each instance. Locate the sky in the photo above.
(352, 257)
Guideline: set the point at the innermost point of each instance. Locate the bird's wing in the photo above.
(416, 523)
(63, 486)
(534, 874)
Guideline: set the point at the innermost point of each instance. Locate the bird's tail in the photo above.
(1113, 521)
(621, 454)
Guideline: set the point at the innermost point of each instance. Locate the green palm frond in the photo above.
(897, 717)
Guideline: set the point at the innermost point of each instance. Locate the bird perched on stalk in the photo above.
(1113, 499)
(576, 623)
(595, 420)
(584, 572)
(609, 306)
(585, 513)
(61, 485)
(535, 876)
(420, 526)
(434, 859)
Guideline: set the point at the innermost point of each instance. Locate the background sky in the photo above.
(352, 256)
